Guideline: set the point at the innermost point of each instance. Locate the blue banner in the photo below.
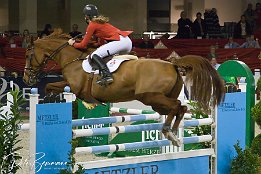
(193, 165)
(231, 127)
(52, 136)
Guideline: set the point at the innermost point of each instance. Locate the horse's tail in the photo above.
(206, 82)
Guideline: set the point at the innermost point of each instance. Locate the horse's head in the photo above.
(40, 53)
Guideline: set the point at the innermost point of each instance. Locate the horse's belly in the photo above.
(114, 94)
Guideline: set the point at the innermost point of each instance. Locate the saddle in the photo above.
(108, 58)
(94, 66)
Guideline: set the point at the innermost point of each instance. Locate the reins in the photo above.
(35, 72)
(61, 47)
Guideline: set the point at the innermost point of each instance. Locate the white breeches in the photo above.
(122, 46)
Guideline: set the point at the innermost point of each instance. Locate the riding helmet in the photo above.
(91, 11)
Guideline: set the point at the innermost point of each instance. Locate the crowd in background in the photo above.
(205, 26)
(26, 38)
(209, 26)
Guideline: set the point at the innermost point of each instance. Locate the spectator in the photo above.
(231, 43)
(11, 39)
(212, 23)
(213, 62)
(47, 31)
(208, 20)
(184, 27)
(250, 16)
(146, 43)
(258, 16)
(26, 41)
(75, 31)
(242, 28)
(250, 43)
(199, 26)
(212, 53)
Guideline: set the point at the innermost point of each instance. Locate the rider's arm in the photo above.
(101, 41)
(89, 32)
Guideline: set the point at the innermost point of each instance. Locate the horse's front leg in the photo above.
(56, 87)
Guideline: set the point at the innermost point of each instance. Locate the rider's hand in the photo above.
(71, 42)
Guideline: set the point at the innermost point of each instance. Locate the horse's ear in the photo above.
(57, 31)
(60, 30)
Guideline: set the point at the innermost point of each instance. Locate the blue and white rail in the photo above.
(139, 111)
(135, 128)
(106, 120)
(115, 119)
(140, 145)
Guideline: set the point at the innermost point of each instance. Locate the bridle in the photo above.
(34, 73)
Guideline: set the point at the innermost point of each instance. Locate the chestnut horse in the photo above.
(154, 82)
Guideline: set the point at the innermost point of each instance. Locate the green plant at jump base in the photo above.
(256, 113)
(70, 165)
(9, 127)
(256, 145)
(246, 162)
(198, 113)
(256, 110)
(249, 160)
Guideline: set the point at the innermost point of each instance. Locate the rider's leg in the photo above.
(106, 76)
(111, 48)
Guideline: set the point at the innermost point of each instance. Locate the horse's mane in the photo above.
(58, 34)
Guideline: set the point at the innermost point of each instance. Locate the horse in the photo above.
(153, 82)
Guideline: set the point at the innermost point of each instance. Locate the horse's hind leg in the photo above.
(179, 117)
(164, 106)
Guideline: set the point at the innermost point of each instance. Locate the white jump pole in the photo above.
(34, 98)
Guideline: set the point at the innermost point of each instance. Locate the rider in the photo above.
(116, 41)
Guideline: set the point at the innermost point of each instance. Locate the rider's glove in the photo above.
(71, 42)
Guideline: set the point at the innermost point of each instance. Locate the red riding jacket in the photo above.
(103, 31)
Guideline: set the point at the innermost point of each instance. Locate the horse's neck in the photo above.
(70, 56)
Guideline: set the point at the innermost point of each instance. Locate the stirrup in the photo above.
(104, 81)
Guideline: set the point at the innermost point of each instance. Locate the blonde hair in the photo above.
(101, 19)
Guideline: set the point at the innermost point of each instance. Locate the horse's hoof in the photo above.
(52, 98)
(173, 138)
(46, 99)
(58, 99)
(89, 106)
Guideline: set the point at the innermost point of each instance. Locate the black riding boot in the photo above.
(106, 77)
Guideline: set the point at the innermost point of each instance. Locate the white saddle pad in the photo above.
(113, 64)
